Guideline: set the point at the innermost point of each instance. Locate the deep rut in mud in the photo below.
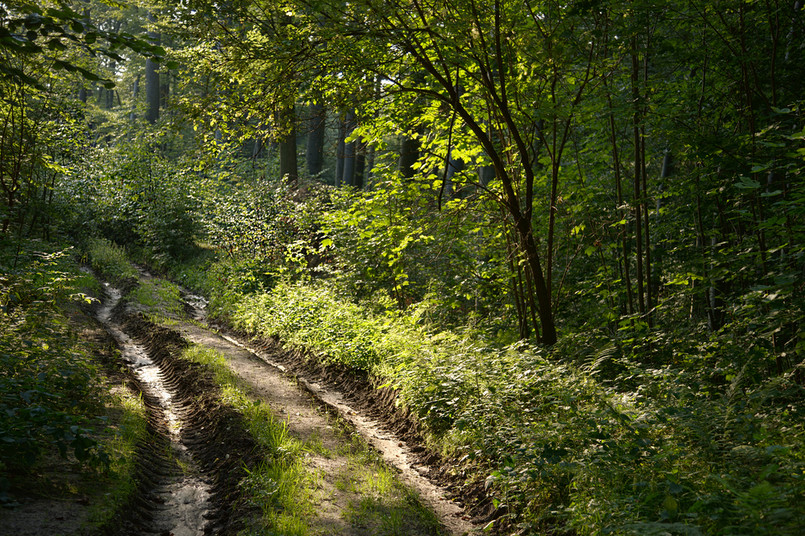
(196, 449)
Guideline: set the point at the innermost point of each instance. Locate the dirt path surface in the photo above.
(187, 475)
(300, 401)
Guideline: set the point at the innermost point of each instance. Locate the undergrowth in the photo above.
(597, 444)
(110, 261)
(54, 397)
(50, 386)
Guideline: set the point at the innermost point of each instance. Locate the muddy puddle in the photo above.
(174, 495)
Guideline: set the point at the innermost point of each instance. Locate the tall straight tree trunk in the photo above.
(368, 176)
(646, 227)
(165, 91)
(644, 198)
(616, 166)
(287, 146)
(135, 93)
(340, 152)
(359, 180)
(314, 154)
(638, 166)
(350, 152)
(151, 91)
(152, 81)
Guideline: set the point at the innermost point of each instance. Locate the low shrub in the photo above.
(50, 387)
(110, 261)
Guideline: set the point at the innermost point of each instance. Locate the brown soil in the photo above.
(212, 432)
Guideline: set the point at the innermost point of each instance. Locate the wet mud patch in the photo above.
(213, 455)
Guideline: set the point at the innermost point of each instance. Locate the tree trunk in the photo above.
(314, 155)
(409, 154)
(348, 176)
(544, 306)
(151, 92)
(287, 145)
(360, 164)
(151, 81)
(135, 93)
(638, 166)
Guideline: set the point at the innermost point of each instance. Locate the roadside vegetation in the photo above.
(68, 427)
(582, 436)
(569, 235)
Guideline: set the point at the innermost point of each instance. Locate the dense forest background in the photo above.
(569, 234)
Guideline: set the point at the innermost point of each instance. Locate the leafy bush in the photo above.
(110, 261)
(140, 198)
(312, 317)
(49, 386)
(394, 239)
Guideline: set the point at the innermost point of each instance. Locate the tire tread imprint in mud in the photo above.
(214, 434)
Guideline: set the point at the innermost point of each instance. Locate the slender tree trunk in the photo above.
(359, 180)
(368, 177)
(135, 93)
(152, 80)
(454, 165)
(350, 151)
(257, 148)
(151, 92)
(616, 167)
(165, 91)
(543, 305)
(638, 166)
(518, 289)
(340, 153)
(646, 225)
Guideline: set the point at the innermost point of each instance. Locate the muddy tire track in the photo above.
(213, 433)
(196, 450)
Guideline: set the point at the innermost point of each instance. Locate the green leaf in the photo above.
(745, 183)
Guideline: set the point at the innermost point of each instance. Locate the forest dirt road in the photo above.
(361, 479)
(356, 489)
(309, 409)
